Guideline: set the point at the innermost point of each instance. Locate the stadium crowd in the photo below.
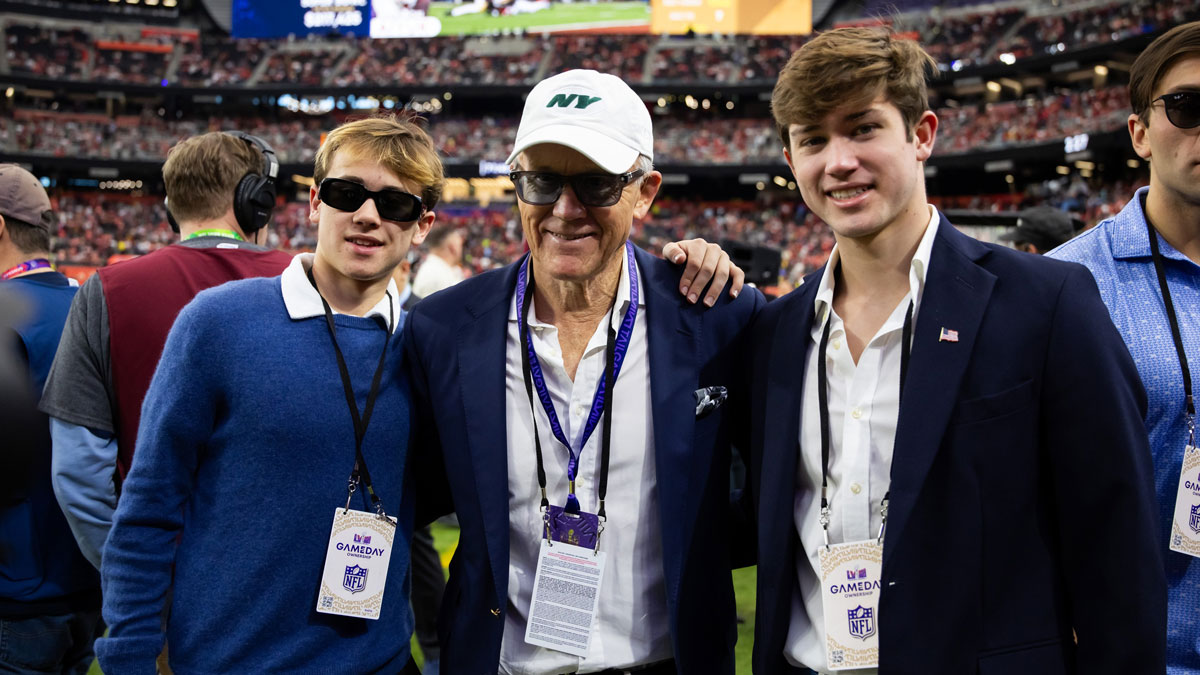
(992, 403)
(955, 38)
(95, 226)
(697, 141)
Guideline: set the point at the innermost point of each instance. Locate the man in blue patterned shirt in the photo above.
(1164, 90)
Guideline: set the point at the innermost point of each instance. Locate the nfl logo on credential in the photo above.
(355, 578)
(862, 622)
(1194, 522)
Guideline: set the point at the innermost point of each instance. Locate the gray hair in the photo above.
(646, 165)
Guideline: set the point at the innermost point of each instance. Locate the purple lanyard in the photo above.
(27, 266)
(618, 345)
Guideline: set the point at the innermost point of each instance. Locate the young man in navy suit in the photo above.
(585, 410)
(949, 470)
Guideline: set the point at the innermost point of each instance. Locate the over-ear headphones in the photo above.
(254, 196)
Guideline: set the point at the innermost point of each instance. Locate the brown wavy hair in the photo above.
(851, 65)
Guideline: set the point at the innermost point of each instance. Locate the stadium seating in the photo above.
(958, 38)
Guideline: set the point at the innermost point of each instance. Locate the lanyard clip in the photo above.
(350, 488)
(1191, 427)
(883, 510)
(825, 524)
(600, 531)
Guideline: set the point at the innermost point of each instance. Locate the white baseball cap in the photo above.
(593, 113)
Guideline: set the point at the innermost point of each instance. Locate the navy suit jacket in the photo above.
(455, 346)
(1022, 505)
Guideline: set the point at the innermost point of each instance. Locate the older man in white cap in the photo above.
(596, 529)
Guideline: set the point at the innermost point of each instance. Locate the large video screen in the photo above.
(423, 18)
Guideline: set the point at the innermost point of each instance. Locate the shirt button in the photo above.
(579, 410)
(856, 413)
(855, 488)
(837, 344)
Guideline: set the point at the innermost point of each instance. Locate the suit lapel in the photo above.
(781, 430)
(481, 379)
(955, 298)
(672, 333)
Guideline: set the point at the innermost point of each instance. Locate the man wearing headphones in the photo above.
(220, 192)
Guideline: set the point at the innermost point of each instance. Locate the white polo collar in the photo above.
(303, 301)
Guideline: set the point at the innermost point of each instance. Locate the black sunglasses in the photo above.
(1182, 108)
(346, 195)
(542, 188)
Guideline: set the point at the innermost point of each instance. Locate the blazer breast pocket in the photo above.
(991, 406)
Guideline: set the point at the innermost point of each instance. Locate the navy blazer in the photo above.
(455, 347)
(1022, 504)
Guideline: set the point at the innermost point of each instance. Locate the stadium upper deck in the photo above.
(127, 54)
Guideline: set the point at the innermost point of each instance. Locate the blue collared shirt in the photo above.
(1117, 251)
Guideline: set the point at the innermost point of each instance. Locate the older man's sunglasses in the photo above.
(1182, 108)
(346, 195)
(542, 188)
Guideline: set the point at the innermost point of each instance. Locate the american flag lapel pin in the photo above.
(948, 335)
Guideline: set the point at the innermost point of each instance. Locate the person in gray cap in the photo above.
(49, 594)
(605, 552)
(1040, 229)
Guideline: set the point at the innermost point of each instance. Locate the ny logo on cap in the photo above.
(564, 101)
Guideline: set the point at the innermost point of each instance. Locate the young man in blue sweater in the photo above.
(271, 394)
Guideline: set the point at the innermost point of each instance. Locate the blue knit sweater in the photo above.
(244, 451)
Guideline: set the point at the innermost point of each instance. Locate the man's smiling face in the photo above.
(567, 240)
(360, 245)
(859, 168)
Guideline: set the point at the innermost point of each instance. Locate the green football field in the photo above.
(579, 15)
(445, 539)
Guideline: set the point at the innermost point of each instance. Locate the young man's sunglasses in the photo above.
(1182, 108)
(541, 188)
(345, 195)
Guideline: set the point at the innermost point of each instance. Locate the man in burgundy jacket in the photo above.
(220, 191)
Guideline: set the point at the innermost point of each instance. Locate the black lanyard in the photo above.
(360, 471)
(823, 404)
(1176, 335)
(609, 379)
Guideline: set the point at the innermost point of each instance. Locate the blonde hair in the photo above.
(201, 174)
(851, 65)
(399, 143)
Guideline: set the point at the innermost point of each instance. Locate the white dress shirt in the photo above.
(864, 406)
(631, 624)
(303, 302)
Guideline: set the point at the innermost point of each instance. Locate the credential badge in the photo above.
(355, 578)
(862, 622)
